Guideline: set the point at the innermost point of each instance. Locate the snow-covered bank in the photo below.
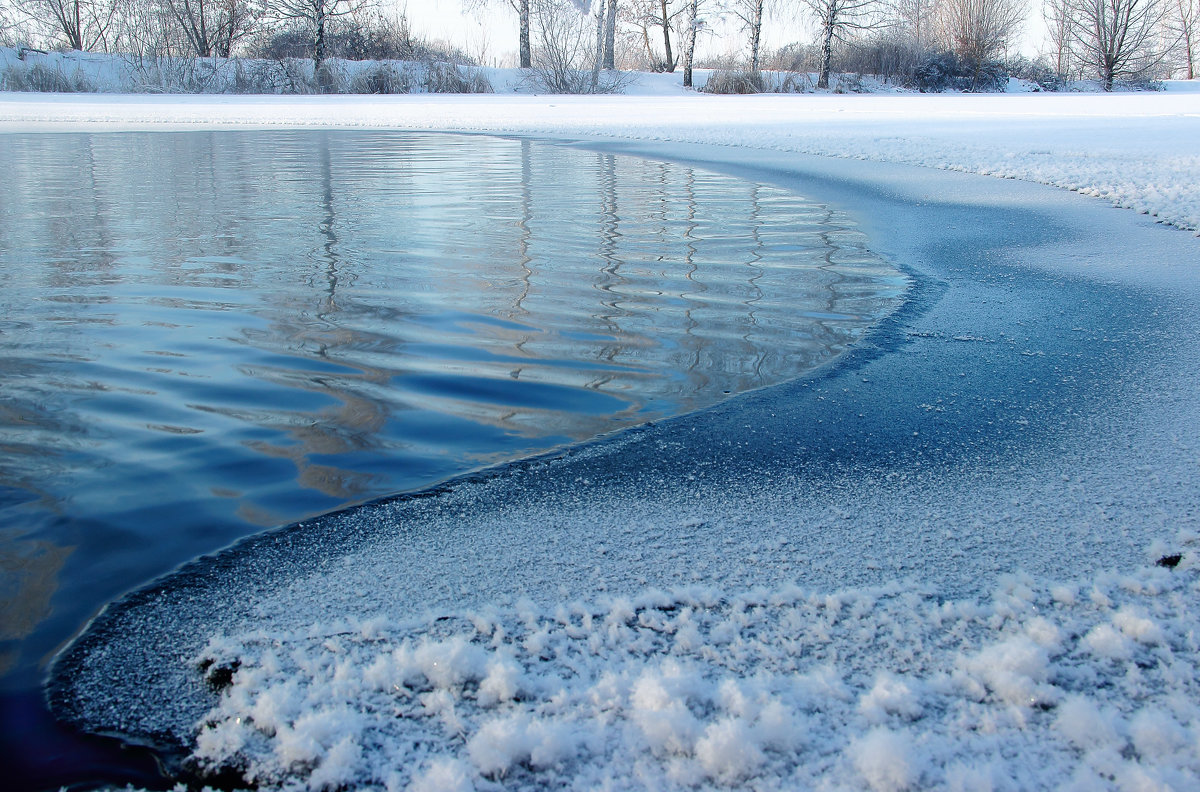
(1135, 150)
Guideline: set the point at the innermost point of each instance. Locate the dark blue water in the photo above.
(206, 334)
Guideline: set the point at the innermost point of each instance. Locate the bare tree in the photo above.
(1184, 24)
(1119, 38)
(750, 14)
(917, 21)
(979, 31)
(524, 11)
(7, 25)
(211, 27)
(647, 15)
(1057, 16)
(606, 34)
(566, 57)
(316, 16)
(838, 19)
(598, 60)
(665, 19)
(82, 24)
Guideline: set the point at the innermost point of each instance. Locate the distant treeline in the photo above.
(928, 44)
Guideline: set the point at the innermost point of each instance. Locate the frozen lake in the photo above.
(1015, 434)
(202, 335)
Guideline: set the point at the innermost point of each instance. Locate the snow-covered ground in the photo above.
(930, 565)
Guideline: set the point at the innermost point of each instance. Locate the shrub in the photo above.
(558, 79)
(448, 78)
(161, 74)
(13, 79)
(282, 44)
(888, 56)
(1037, 71)
(794, 57)
(725, 81)
(377, 38)
(43, 78)
(294, 76)
(383, 78)
(734, 81)
(946, 71)
(848, 83)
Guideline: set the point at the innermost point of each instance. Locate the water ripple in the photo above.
(203, 334)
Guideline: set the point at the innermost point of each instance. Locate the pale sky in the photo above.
(490, 34)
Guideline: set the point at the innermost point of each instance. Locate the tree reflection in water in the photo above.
(206, 333)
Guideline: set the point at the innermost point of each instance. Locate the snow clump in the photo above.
(883, 689)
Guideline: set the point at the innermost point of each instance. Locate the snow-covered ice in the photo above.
(928, 565)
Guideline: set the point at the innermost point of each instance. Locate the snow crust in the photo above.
(881, 688)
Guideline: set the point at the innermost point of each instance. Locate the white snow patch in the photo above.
(885, 760)
(998, 693)
(443, 775)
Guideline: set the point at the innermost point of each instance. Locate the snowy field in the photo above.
(929, 565)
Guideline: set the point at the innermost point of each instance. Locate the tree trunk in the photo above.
(319, 45)
(826, 51)
(1189, 52)
(319, 50)
(74, 28)
(610, 36)
(755, 36)
(598, 60)
(205, 47)
(666, 26)
(689, 49)
(526, 52)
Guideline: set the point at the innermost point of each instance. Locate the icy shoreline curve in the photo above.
(928, 565)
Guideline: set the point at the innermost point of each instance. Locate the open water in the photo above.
(206, 334)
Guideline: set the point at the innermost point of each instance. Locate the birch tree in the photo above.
(750, 14)
(838, 19)
(522, 7)
(693, 25)
(610, 35)
(316, 16)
